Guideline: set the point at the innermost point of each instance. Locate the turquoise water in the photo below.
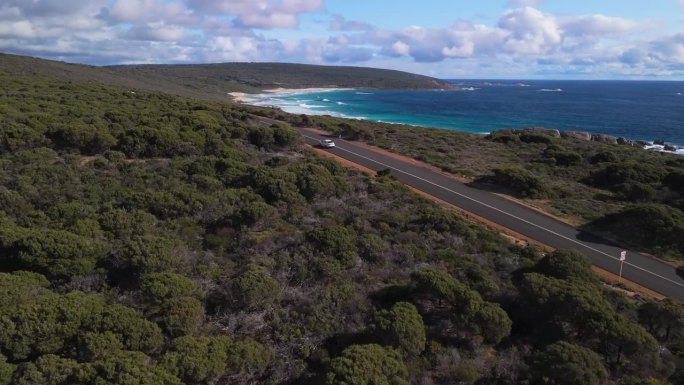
(637, 110)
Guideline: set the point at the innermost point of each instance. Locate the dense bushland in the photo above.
(589, 183)
(149, 239)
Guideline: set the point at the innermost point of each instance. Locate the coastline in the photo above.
(245, 97)
(277, 98)
(274, 98)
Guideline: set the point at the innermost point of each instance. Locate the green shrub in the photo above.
(504, 138)
(158, 288)
(178, 316)
(371, 247)
(49, 370)
(127, 368)
(144, 254)
(664, 319)
(87, 139)
(338, 242)
(197, 359)
(401, 327)
(468, 309)
(261, 136)
(567, 264)
(135, 332)
(367, 365)
(285, 136)
(634, 192)
(563, 363)
(55, 253)
(6, 370)
(617, 173)
(648, 227)
(536, 138)
(248, 356)
(562, 156)
(522, 182)
(254, 288)
(604, 157)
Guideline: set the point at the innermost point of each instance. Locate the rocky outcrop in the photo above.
(511, 135)
(582, 135)
(604, 139)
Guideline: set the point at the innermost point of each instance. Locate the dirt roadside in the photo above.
(610, 279)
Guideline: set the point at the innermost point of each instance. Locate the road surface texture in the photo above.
(643, 270)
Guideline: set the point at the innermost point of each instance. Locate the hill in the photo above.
(215, 78)
(214, 81)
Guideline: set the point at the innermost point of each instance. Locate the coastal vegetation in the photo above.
(214, 81)
(153, 239)
(618, 191)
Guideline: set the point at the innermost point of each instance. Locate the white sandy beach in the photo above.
(247, 98)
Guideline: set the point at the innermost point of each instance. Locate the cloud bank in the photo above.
(524, 39)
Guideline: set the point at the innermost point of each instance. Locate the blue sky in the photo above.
(529, 39)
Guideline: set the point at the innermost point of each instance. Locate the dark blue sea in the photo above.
(637, 110)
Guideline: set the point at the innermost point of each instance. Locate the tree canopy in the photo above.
(151, 239)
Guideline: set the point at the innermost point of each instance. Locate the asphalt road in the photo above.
(643, 270)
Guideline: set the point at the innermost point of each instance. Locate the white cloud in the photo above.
(18, 29)
(400, 48)
(132, 10)
(169, 31)
(519, 3)
(669, 50)
(530, 31)
(141, 11)
(597, 25)
(47, 8)
(269, 20)
(260, 14)
(466, 49)
(48, 22)
(232, 49)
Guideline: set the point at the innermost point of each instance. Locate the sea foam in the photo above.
(508, 106)
(304, 105)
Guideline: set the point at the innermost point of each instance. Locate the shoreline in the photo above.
(244, 97)
(301, 108)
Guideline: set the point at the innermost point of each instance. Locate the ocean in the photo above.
(636, 110)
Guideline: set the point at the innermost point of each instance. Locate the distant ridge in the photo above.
(213, 81)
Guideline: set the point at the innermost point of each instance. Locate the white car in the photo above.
(326, 143)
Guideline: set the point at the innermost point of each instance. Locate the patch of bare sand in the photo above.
(249, 98)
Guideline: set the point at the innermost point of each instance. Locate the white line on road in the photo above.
(505, 213)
